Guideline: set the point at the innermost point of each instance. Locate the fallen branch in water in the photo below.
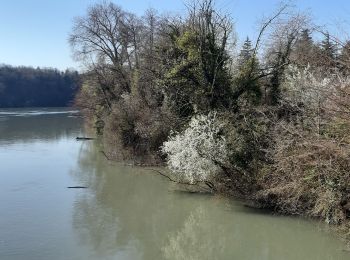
(105, 155)
(197, 184)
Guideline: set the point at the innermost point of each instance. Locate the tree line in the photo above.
(37, 87)
(267, 122)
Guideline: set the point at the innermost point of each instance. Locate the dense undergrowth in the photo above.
(269, 123)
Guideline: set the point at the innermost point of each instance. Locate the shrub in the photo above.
(309, 174)
(197, 153)
(134, 131)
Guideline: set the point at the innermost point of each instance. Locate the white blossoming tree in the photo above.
(195, 155)
(302, 86)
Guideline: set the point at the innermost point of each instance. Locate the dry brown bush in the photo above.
(134, 131)
(311, 155)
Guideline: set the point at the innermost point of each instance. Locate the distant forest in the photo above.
(36, 87)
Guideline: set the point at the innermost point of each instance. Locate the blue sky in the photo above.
(35, 32)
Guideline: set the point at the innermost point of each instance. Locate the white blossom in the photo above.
(195, 153)
(302, 86)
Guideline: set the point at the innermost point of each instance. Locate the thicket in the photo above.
(40, 87)
(269, 123)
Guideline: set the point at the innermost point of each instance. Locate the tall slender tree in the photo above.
(304, 49)
(246, 52)
(328, 53)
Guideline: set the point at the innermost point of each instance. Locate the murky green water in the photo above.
(125, 213)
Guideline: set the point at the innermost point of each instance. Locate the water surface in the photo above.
(126, 212)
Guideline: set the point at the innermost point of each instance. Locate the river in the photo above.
(125, 212)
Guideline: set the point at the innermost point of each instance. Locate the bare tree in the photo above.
(107, 39)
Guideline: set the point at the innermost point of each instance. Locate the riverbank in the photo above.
(265, 124)
(294, 196)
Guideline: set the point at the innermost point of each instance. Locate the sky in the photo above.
(35, 32)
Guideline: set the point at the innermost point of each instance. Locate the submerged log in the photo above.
(77, 187)
(84, 138)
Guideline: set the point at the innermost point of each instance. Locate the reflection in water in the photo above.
(133, 214)
(194, 241)
(209, 234)
(125, 211)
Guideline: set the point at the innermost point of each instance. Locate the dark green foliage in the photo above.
(247, 85)
(275, 91)
(305, 38)
(304, 49)
(182, 75)
(305, 42)
(246, 52)
(251, 139)
(29, 87)
(328, 47)
(247, 88)
(193, 81)
(328, 53)
(197, 77)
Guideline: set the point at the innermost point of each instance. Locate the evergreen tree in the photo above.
(306, 37)
(248, 70)
(303, 53)
(328, 52)
(246, 53)
(328, 47)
